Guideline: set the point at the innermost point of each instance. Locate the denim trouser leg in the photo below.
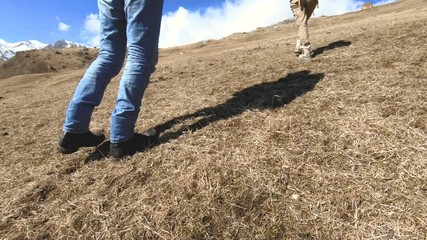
(143, 28)
(91, 87)
(132, 22)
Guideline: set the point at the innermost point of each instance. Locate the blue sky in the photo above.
(184, 21)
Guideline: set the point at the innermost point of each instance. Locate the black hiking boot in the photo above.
(138, 143)
(71, 142)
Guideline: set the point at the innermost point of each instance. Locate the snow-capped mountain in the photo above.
(65, 44)
(6, 54)
(27, 45)
(8, 50)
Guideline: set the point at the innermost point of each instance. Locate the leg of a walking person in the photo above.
(90, 89)
(143, 28)
(303, 43)
(301, 22)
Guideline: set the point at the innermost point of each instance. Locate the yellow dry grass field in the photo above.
(254, 143)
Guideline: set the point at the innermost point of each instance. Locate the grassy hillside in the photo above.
(255, 144)
(46, 61)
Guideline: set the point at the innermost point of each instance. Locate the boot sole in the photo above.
(66, 150)
(152, 137)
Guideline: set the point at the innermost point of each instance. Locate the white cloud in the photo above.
(92, 24)
(184, 26)
(63, 27)
(91, 30)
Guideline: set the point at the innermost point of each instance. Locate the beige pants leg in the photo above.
(302, 13)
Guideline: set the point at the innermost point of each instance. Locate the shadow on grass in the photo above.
(330, 46)
(268, 95)
(262, 96)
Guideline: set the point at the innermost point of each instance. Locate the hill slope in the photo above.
(255, 144)
(47, 61)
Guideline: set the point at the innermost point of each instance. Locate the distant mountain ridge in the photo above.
(8, 50)
(65, 44)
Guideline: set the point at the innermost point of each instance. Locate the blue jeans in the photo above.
(131, 23)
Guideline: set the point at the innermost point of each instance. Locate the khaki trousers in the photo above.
(302, 10)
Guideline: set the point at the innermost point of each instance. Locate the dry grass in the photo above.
(254, 143)
(46, 61)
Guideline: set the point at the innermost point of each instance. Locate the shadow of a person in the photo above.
(331, 46)
(268, 95)
(261, 96)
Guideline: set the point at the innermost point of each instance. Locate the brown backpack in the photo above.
(308, 6)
